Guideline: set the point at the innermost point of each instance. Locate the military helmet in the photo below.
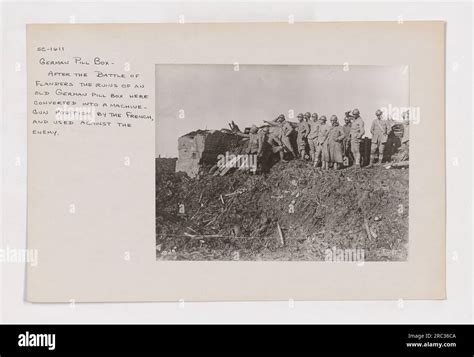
(314, 115)
(254, 129)
(300, 116)
(333, 117)
(378, 112)
(323, 118)
(355, 112)
(307, 114)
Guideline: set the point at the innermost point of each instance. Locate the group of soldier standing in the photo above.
(326, 145)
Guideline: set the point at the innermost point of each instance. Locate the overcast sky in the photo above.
(210, 96)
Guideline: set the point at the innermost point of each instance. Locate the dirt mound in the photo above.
(240, 216)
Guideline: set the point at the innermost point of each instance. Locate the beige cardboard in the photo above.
(105, 251)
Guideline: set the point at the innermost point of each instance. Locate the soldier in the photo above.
(321, 144)
(256, 141)
(307, 116)
(286, 131)
(274, 132)
(348, 158)
(274, 136)
(274, 140)
(357, 132)
(312, 136)
(283, 136)
(265, 151)
(335, 137)
(379, 133)
(303, 131)
(258, 145)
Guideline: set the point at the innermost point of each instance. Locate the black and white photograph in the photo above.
(282, 162)
(236, 162)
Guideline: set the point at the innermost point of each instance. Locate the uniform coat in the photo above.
(313, 135)
(256, 142)
(322, 145)
(335, 137)
(379, 131)
(286, 130)
(357, 132)
(303, 131)
(274, 136)
(346, 142)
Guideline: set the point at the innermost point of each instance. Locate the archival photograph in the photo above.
(282, 162)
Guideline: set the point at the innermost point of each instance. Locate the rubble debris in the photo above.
(280, 235)
(398, 165)
(330, 209)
